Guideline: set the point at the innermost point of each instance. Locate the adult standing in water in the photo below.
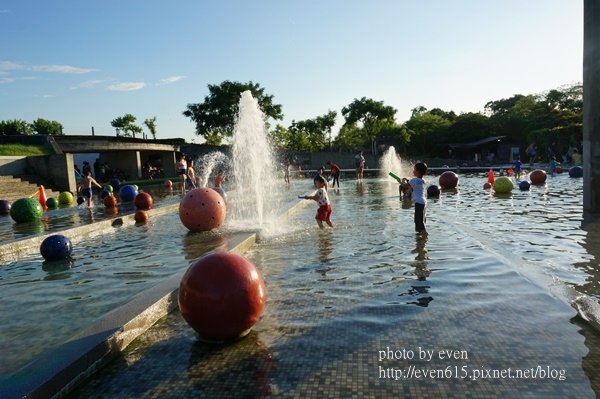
(359, 160)
(334, 173)
(181, 167)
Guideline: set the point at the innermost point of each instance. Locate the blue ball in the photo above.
(80, 200)
(56, 247)
(576, 171)
(524, 185)
(128, 193)
(116, 183)
(433, 191)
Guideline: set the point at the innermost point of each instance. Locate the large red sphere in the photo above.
(143, 201)
(221, 296)
(448, 180)
(110, 201)
(537, 177)
(202, 209)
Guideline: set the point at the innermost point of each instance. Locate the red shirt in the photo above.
(334, 169)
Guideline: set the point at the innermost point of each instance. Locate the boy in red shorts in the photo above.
(324, 210)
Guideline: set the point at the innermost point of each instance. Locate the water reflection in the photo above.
(420, 293)
(591, 286)
(58, 270)
(197, 244)
(240, 369)
(325, 245)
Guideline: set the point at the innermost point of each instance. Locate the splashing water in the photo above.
(253, 167)
(205, 165)
(390, 162)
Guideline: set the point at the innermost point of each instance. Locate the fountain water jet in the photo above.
(253, 170)
(390, 162)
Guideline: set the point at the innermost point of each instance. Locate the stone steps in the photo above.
(12, 188)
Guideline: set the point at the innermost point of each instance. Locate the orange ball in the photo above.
(110, 201)
(141, 216)
(537, 177)
(143, 201)
(202, 209)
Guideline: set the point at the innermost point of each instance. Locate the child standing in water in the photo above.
(324, 210)
(86, 187)
(417, 193)
(219, 180)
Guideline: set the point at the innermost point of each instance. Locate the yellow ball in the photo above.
(503, 185)
(65, 198)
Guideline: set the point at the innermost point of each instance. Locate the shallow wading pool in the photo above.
(369, 310)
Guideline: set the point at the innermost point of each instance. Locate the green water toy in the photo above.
(395, 176)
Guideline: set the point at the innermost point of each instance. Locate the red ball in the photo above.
(110, 201)
(141, 216)
(221, 296)
(448, 180)
(168, 184)
(143, 201)
(558, 169)
(537, 177)
(202, 209)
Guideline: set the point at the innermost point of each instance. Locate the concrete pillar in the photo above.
(591, 106)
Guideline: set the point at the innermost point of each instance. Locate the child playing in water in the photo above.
(324, 210)
(190, 180)
(219, 180)
(86, 187)
(417, 193)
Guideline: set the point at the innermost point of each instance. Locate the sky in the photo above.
(85, 63)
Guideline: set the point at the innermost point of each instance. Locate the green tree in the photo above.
(151, 125)
(426, 132)
(468, 127)
(317, 130)
(349, 138)
(126, 125)
(215, 117)
(46, 127)
(15, 127)
(372, 116)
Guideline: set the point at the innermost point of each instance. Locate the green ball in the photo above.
(503, 185)
(65, 198)
(52, 203)
(108, 188)
(26, 210)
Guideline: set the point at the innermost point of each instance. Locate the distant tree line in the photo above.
(550, 119)
(553, 118)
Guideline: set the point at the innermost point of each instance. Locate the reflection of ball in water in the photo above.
(143, 201)
(433, 191)
(26, 210)
(56, 247)
(221, 296)
(524, 185)
(448, 180)
(576, 171)
(537, 177)
(503, 185)
(141, 216)
(202, 209)
(5, 207)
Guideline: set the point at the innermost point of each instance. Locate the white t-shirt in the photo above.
(418, 190)
(322, 197)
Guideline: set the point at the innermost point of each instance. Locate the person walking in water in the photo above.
(181, 167)
(417, 193)
(334, 173)
(86, 187)
(324, 211)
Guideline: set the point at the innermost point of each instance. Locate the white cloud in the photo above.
(14, 66)
(127, 86)
(170, 79)
(61, 69)
(88, 84)
(11, 79)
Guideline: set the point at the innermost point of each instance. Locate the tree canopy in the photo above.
(43, 126)
(215, 117)
(126, 125)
